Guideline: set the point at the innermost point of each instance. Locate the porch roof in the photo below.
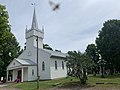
(25, 61)
(18, 63)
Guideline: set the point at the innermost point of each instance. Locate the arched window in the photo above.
(55, 64)
(43, 66)
(32, 72)
(62, 65)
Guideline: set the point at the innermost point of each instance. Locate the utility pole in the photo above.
(37, 66)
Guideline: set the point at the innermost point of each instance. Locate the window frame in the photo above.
(33, 72)
(63, 66)
(43, 66)
(55, 65)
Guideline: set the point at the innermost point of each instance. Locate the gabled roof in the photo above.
(17, 63)
(56, 53)
(25, 62)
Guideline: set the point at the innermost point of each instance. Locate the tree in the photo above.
(92, 52)
(9, 47)
(46, 46)
(108, 43)
(77, 64)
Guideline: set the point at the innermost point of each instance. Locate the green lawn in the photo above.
(110, 81)
(114, 79)
(43, 84)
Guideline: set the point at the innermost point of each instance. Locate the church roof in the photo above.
(25, 61)
(56, 53)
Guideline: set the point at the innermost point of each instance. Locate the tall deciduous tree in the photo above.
(108, 43)
(9, 47)
(77, 64)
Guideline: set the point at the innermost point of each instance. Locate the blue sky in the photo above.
(72, 27)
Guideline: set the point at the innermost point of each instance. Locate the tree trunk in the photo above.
(84, 78)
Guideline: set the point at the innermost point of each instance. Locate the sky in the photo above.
(72, 27)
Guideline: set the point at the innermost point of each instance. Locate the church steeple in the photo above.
(34, 21)
(33, 32)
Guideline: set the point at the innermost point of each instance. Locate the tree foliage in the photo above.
(77, 64)
(9, 47)
(92, 52)
(108, 43)
(46, 46)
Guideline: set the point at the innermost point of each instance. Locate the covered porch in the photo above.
(18, 70)
(19, 74)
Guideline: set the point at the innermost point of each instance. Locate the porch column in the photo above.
(22, 75)
(7, 76)
(13, 76)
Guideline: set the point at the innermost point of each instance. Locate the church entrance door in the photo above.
(19, 75)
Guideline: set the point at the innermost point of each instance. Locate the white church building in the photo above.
(51, 64)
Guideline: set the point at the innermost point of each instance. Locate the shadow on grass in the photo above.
(73, 85)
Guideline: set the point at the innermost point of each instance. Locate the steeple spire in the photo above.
(33, 32)
(34, 21)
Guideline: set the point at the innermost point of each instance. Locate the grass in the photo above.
(115, 79)
(43, 84)
(110, 82)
